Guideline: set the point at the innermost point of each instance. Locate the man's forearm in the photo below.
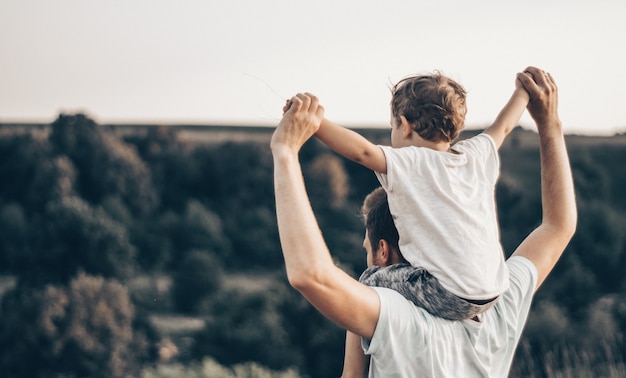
(301, 239)
(557, 186)
(545, 245)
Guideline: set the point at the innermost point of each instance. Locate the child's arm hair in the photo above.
(352, 145)
(354, 358)
(510, 115)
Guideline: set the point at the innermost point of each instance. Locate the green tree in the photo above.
(208, 368)
(72, 236)
(250, 327)
(591, 178)
(14, 235)
(254, 237)
(199, 276)
(27, 170)
(173, 167)
(105, 164)
(600, 243)
(239, 174)
(329, 183)
(84, 329)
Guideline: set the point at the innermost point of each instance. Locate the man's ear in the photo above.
(407, 129)
(384, 253)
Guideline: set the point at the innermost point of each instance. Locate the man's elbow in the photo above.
(310, 283)
(297, 281)
(566, 227)
(571, 222)
(302, 281)
(570, 228)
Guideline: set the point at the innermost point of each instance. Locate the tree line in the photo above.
(88, 215)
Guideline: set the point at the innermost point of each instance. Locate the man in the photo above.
(404, 340)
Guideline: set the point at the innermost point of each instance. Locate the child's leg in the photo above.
(421, 288)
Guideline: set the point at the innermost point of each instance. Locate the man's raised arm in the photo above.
(310, 268)
(545, 245)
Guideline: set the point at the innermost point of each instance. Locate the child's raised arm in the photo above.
(510, 115)
(352, 145)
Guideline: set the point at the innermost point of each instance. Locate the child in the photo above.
(441, 196)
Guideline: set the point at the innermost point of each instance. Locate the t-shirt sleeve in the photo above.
(517, 299)
(394, 321)
(384, 178)
(399, 162)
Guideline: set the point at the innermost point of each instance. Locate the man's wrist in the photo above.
(284, 153)
(550, 127)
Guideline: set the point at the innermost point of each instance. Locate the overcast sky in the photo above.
(236, 61)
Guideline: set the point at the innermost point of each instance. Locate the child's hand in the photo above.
(287, 106)
(520, 91)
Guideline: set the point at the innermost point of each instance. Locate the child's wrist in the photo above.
(521, 94)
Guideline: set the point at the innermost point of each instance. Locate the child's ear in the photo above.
(407, 129)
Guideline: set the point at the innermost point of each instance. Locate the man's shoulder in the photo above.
(522, 267)
(523, 277)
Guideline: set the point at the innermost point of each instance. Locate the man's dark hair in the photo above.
(378, 220)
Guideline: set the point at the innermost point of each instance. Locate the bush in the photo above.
(83, 329)
(199, 275)
(73, 236)
(209, 368)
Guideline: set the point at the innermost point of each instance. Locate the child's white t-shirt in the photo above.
(443, 205)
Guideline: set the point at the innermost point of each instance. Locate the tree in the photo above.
(171, 163)
(254, 237)
(239, 174)
(106, 165)
(600, 243)
(590, 178)
(329, 185)
(72, 236)
(28, 171)
(199, 276)
(251, 327)
(14, 234)
(83, 329)
(197, 228)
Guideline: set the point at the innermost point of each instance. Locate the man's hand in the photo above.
(543, 92)
(301, 119)
(545, 245)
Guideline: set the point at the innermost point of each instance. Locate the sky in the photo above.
(237, 61)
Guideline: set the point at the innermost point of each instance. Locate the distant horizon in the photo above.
(148, 123)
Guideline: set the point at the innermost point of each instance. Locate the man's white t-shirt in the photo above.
(410, 342)
(443, 205)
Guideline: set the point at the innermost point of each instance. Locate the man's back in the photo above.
(409, 342)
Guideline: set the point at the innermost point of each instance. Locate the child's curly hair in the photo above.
(433, 104)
